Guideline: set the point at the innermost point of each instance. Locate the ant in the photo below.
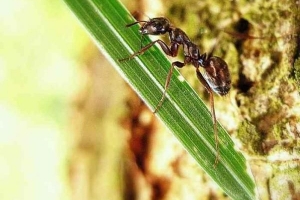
(216, 77)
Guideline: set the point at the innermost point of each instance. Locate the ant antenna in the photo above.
(136, 22)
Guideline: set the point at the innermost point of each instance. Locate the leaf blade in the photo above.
(182, 111)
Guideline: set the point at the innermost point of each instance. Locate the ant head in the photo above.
(155, 26)
(217, 75)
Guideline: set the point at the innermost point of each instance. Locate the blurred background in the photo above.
(48, 103)
(68, 119)
(71, 128)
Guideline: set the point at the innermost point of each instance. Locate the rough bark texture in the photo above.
(260, 41)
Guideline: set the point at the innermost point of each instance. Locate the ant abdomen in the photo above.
(217, 75)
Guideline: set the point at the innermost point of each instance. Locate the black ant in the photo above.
(216, 77)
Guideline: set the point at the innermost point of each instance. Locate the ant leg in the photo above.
(142, 37)
(167, 83)
(212, 107)
(169, 51)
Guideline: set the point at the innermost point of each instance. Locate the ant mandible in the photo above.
(216, 77)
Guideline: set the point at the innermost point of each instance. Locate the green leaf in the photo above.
(182, 112)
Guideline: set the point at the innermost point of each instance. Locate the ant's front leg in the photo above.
(170, 51)
(167, 83)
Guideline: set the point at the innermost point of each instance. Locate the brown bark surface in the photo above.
(260, 42)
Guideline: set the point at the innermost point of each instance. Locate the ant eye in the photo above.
(158, 26)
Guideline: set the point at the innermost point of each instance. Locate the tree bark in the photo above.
(260, 42)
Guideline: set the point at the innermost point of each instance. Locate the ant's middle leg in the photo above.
(167, 83)
(170, 51)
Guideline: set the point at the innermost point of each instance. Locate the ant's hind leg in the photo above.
(167, 83)
(213, 114)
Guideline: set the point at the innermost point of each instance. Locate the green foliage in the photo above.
(182, 111)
